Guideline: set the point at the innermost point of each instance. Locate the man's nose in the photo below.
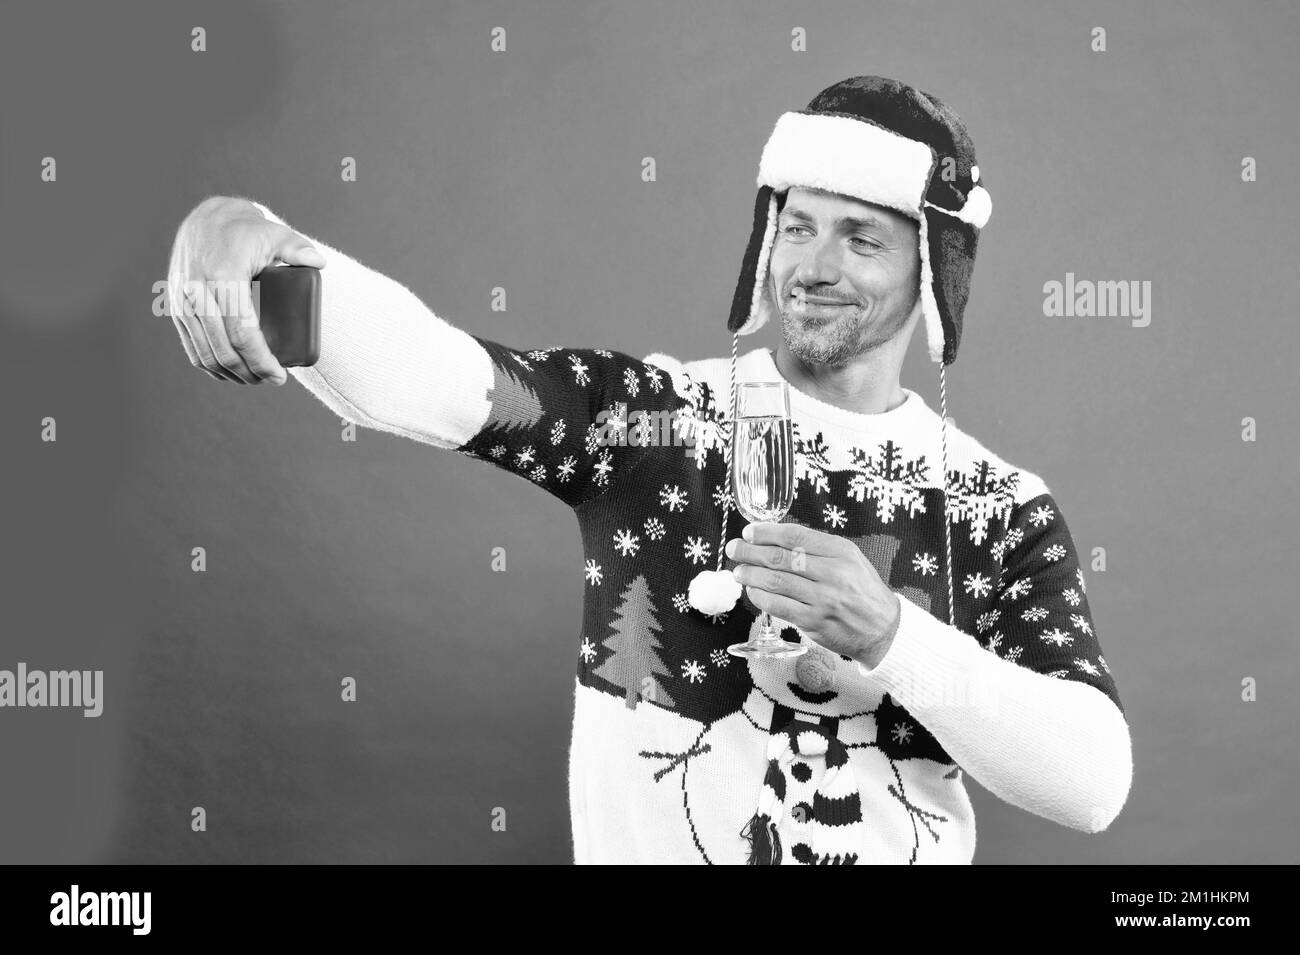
(819, 264)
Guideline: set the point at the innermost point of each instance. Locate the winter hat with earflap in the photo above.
(886, 143)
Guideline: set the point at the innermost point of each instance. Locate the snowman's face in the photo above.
(818, 682)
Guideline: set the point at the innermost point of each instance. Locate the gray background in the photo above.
(521, 170)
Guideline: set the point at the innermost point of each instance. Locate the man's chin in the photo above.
(815, 345)
(817, 322)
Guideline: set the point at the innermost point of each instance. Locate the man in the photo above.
(937, 585)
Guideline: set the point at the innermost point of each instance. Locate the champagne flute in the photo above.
(762, 477)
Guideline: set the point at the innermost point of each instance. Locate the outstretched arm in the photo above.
(388, 362)
(561, 418)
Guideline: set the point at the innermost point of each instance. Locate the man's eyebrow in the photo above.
(855, 222)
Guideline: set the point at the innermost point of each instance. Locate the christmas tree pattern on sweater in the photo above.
(671, 733)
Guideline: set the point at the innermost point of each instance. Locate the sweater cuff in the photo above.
(1057, 748)
(927, 660)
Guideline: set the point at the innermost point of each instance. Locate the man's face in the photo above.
(859, 267)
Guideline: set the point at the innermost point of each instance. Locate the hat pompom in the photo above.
(713, 591)
(978, 207)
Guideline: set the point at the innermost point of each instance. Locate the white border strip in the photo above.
(848, 156)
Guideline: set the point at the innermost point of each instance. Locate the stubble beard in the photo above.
(834, 343)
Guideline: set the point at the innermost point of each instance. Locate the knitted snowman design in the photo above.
(817, 726)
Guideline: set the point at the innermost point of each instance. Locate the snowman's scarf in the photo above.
(835, 831)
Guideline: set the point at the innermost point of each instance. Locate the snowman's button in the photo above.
(802, 813)
(802, 853)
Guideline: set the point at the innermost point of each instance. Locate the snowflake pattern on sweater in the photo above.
(635, 447)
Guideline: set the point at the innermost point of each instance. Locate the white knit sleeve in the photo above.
(573, 421)
(388, 362)
(1060, 749)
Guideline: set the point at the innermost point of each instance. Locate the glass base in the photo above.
(777, 649)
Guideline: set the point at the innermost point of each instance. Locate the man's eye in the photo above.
(791, 228)
(867, 242)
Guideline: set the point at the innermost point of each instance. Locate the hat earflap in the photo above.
(949, 241)
(934, 336)
(752, 307)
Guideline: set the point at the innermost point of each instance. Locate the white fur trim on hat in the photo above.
(760, 305)
(850, 156)
(929, 305)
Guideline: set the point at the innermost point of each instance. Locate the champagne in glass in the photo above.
(762, 478)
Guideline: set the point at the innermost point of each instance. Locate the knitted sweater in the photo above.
(674, 741)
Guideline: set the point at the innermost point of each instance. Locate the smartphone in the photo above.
(287, 300)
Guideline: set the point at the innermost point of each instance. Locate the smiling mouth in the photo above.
(806, 306)
(810, 312)
(811, 698)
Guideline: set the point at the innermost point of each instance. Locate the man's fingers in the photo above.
(296, 250)
(245, 334)
(769, 555)
(777, 582)
(187, 342)
(792, 536)
(791, 611)
(190, 318)
(213, 324)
